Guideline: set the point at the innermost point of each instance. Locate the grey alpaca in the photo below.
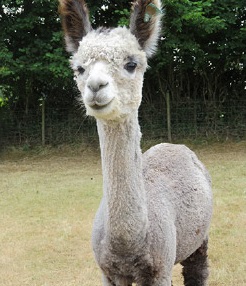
(156, 207)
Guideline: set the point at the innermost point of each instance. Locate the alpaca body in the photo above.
(139, 244)
(181, 186)
(156, 207)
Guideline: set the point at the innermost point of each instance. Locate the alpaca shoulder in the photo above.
(174, 173)
(175, 163)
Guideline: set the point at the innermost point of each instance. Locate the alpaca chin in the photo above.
(109, 112)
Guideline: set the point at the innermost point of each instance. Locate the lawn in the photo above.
(48, 200)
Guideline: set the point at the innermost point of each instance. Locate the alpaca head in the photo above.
(109, 64)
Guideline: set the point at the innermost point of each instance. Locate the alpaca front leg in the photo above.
(106, 281)
(159, 282)
(119, 282)
(164, 282)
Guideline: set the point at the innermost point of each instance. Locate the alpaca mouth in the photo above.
(99, 106)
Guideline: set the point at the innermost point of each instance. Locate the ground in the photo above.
(48, 199)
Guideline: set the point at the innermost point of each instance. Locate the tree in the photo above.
(203, 37)
(201, 60)
(201, 55)
(33, 61)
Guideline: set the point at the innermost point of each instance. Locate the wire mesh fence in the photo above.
(189, 120)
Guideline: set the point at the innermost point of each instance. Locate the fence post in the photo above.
(43, 121)
(169, 129)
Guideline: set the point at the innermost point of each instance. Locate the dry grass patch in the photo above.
(46, 208)
(47, 205)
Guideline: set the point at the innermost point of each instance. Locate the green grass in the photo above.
(48, 200)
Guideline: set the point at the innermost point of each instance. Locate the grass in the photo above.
(48, 200)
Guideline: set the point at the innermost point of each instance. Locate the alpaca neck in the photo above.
(123, 184)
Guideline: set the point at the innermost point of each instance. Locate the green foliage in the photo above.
(124, 17)
(32, 55)
(188, 26)
(201, 52)
(203, 42)
(3, 99)
(109, 13)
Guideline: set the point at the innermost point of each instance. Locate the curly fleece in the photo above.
(157, 206)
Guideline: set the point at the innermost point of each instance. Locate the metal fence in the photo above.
(189, 120)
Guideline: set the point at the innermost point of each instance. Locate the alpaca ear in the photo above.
(145, 24)
(75, 22)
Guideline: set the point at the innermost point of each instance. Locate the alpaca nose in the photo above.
(96, 85)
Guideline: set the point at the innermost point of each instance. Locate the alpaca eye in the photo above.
(130, 67)
(81, 70)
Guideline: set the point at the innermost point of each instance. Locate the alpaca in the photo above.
(156, 207)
